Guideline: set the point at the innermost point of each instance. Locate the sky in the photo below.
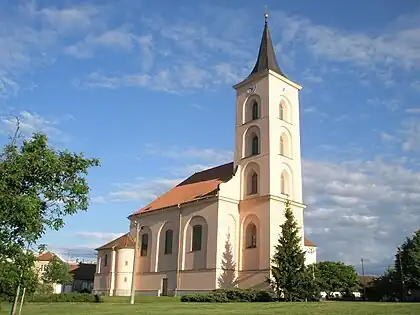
(147, 88)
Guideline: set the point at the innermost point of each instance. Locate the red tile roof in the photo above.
(198, 186)
(47, 256)
(308, 242)
(124, 241)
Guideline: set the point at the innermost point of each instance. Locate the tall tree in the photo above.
(39, 186)
(57, 271)
(335, 276)
(228, 278)
(288, 262)
(407, 263)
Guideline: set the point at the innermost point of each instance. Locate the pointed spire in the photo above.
(266, 57)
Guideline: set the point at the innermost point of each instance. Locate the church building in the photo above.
(219, 227)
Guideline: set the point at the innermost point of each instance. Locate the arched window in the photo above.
(197, 232)
(281, 111)
(282, 144)
(169, 235)
(251, 236)
(255, 111)
(284, 184)
(255, 145)
(253, 184)
(144, 244)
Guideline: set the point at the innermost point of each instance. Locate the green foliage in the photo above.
(288, 262)
(57, 271)
(63, 297)
(409, 255)
(230, 295)
(39, 186)
(228, 279)
(335, 276)
(10, 272)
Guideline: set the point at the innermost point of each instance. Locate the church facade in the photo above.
(218, 227)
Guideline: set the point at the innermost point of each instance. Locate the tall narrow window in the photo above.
(144, 244)
(284, 185)
(197, 232)
(255, 111)
(251, 236)
(105, 260)
(169, 234)
(282, 145)
(255, 145)
(253, 185)
(281, 111)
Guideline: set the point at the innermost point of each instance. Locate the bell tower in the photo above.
(267, 154)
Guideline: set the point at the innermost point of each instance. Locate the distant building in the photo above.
(83, 273)
(184, 232)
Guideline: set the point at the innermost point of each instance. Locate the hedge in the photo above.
(63, 297)
(230, 295)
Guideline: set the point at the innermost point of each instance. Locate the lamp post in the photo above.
(133, 276)
(401, 275)
(364, 280)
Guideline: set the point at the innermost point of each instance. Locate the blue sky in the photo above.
(146, 87)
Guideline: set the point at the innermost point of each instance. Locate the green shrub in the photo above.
(230, 295)
(63, 297)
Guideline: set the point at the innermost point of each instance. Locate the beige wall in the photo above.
(232, 212)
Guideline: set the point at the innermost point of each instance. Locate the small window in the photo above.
(255, 145)
(255, 111)
(251, 236)
(144, 244)
(282, 145)
(125, 279)
(196, 237)
(105, 260)
(169, 234)
(253, 185)
(126, 262)
(284, 185)
(281, 111)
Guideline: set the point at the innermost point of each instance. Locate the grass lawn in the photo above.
(167, 306)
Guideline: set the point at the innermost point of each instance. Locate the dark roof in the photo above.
(199, 185)
(266, 59)
(83, 271)
(124, 241)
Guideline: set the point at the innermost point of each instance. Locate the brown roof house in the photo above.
(218, 227)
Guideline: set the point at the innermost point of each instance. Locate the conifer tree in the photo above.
(288, 262)
(228, 279)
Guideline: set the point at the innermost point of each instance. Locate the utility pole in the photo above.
(364, 280)
(401, 275)
(133, 277)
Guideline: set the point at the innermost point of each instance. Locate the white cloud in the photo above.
(413, 110)
(102, 236)
(202, 154)
(392, 46)
(33, 122)
(360, 208)
(142, 190)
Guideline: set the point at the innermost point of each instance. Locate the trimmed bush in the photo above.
(63, 297)
(230, 295)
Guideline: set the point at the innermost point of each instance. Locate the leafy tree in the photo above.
(10, 276)
(57, 271)
(39, 186)
(335, 276)
(288, 262)
(409, 256)
(227, 279)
